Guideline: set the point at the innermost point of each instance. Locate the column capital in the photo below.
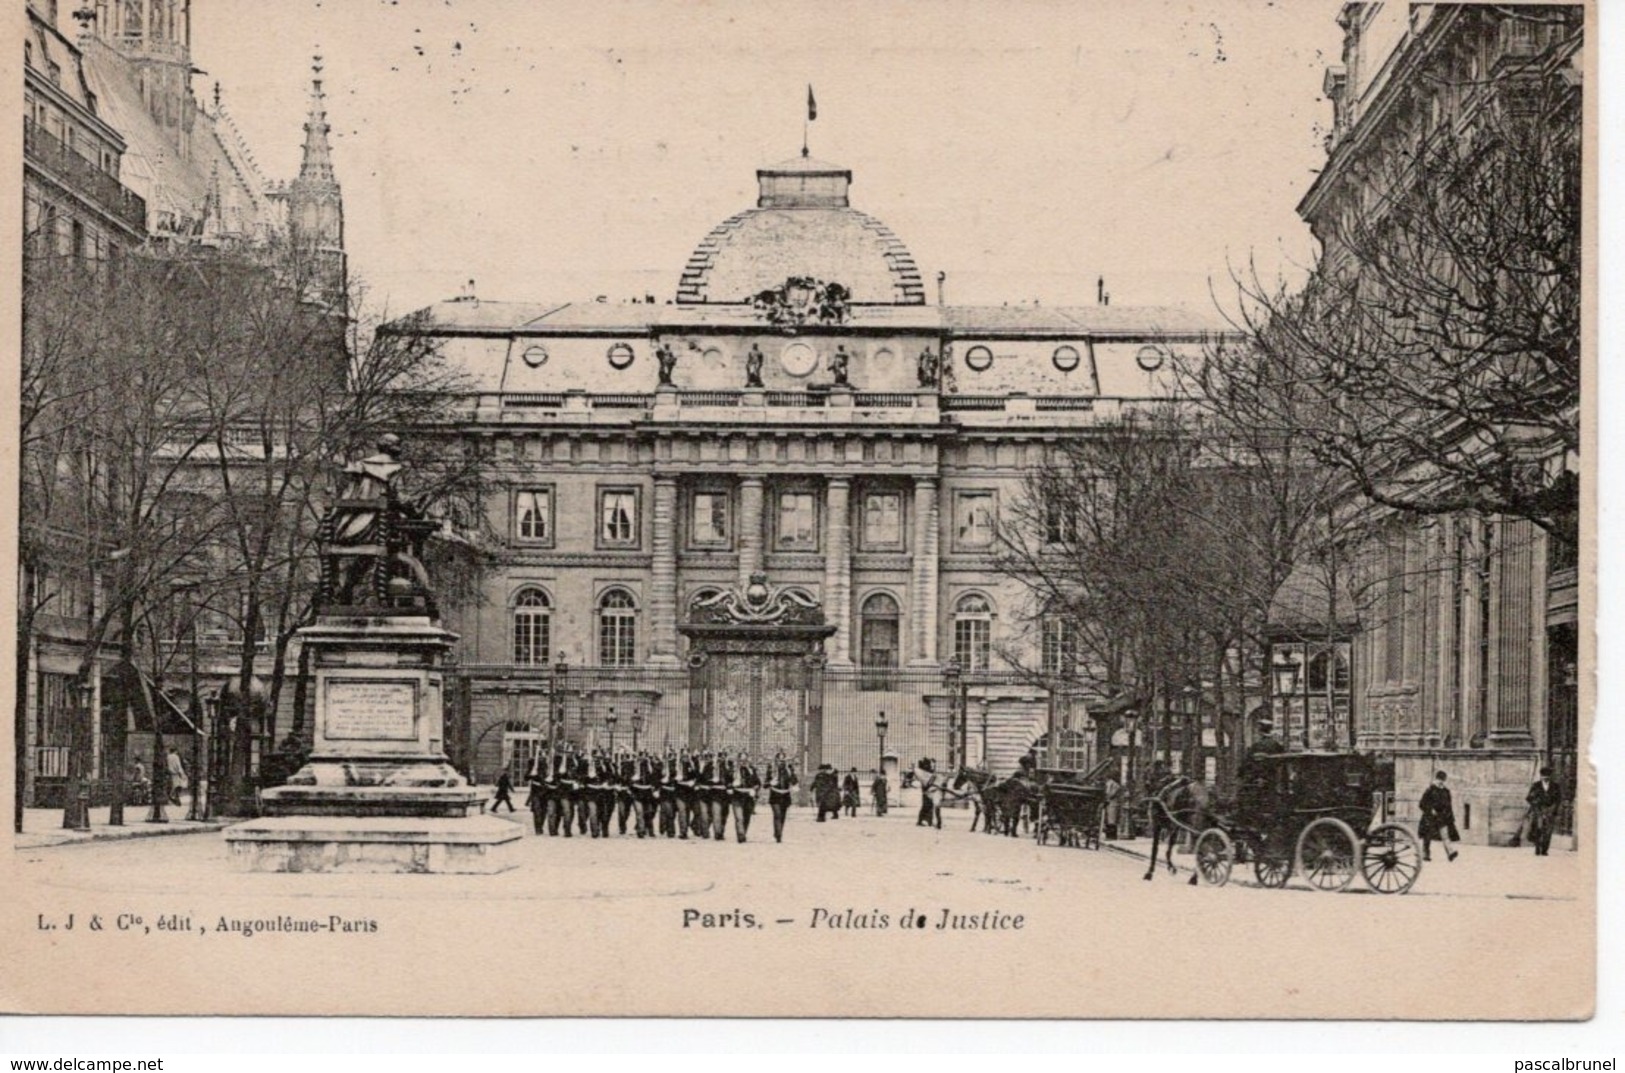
(665, 477)
(839, 481)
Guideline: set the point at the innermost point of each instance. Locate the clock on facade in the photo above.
(1066, 358)
(978, 359)
(535, 356)
(1149, 358)
(798, 359)
(620, 355)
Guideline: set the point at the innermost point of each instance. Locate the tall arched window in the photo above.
(877, 641)
(973, 632)
(617, 629)
(532, 627)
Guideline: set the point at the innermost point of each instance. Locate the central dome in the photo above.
(802, 225)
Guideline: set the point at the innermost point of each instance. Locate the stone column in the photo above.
(663, 574)
(923, 597)
(1519, 614)
(838, 568)
(750, 528)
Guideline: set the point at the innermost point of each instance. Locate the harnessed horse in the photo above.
(1177, 803)
(971, 784)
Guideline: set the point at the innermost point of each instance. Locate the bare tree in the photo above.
(1439, 336)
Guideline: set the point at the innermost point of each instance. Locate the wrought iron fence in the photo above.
(498, 711)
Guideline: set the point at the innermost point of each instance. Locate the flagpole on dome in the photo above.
(812, 114)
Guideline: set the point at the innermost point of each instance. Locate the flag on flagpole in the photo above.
(812, 105)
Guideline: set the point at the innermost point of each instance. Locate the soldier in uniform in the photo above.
(645, 791)
(781, 780)
(878, 789)
(673, 813)
(561, 800)
(626, 770)
(690, 794)
(718, 792)
(537, 801)
(746, 781)
(600, 792)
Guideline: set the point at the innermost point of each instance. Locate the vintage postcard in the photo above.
(1023, 510)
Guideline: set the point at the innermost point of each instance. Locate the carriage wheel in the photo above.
(1272, 870)
(1215, 856)
(1390, 859)
(1328, 853)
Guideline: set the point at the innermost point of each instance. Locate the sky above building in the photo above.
(566, 150)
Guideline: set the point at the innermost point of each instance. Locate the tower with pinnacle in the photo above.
(315, 206)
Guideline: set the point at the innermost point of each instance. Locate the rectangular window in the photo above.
(972, 644)
(708, 520)
(882, 521)
(1060, 654)
(533, 515)
(1060, 523)
(618, 517)
(617, 638)
(879, 652)
(974, 514)
(798, 522)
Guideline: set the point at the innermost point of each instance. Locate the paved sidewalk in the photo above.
(1477, 872)
(42, 827)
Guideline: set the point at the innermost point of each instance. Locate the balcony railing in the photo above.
(83, 177)
(822, 405)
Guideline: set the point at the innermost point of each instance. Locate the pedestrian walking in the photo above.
(849, 792)
(1112, 815)
(1438, 822)
(1544, 798)
(826, 793)
(504, 793)
(878, 790)
(177, 775)
(926, 778)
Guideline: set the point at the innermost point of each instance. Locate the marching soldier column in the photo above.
(593, 793)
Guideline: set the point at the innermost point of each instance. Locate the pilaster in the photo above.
(923, 600)
(663, 574)
(838, 567)
(750, 529)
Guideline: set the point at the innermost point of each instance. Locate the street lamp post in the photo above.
(881, 726)
(1286, 687)
(76, 809)
(952, 679)
(637, 726)
(610, 722)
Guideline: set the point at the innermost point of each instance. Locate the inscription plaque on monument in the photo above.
(371, 709)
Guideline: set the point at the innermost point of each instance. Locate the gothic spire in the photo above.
(317, 164)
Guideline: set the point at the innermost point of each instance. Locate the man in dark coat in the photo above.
(1438, 823)
(849, 792)
(504, 793)
(1545, 797)
(827, 792)
(877, 790)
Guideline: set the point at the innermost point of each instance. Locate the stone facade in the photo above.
(868, 468)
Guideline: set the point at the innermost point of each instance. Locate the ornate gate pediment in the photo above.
(756, 657)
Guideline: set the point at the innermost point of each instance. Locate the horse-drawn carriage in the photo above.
(1323, 815)
(1072, 806)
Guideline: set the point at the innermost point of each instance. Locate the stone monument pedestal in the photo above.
(378, 794)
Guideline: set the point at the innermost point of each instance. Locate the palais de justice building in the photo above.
(803, 418)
